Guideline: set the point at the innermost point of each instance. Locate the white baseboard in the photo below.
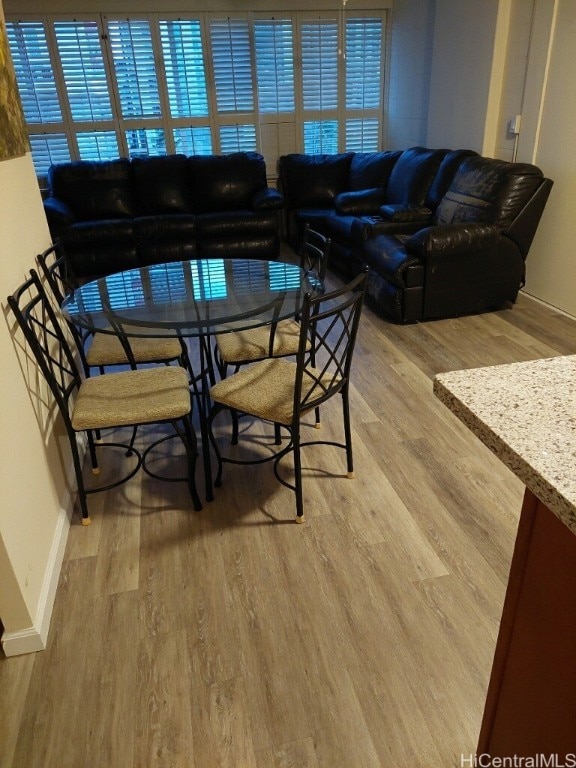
(34, 638)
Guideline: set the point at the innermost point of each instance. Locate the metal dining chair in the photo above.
(99, 349)
(282, 391)
(129, 398)
(280, 339)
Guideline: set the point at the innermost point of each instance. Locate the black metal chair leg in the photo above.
(347, 433)
(191, 446)
(234, 415)
(277, 434)
(92, 451)
(298, 477)
(80, 481)
(130, 450)
(317, 415)
(218, 478)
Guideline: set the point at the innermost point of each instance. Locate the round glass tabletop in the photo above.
(192, 298)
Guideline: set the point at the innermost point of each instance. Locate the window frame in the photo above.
(275, 132)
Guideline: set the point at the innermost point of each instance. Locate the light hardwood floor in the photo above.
(232, 638)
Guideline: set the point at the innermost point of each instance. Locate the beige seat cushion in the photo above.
(106, 349)
(266, 389)
(132, 397)
(254, 343)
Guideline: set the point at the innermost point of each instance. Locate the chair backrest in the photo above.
(315, 252)
(54, 268)
(330, 322)
(488, 191)
(55, 271)
(47, 340)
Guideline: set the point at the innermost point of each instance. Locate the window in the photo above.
(100, 86)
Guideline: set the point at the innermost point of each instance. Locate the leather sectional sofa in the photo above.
(444, 232)
(120, 214)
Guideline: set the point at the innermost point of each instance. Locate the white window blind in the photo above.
(363, 63)
(48, 149)
(182, 48)
(238, 138)
(97, 145)
(362, 134)
(274, 46)
(319, 40)
(193, 141)
(82, 64)
(34, 72)
(232, 65)
(135, 68)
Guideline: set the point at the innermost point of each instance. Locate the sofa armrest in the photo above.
(267, 199)
(405, 213)
(58, 213)
(452, 240)
(363, 202)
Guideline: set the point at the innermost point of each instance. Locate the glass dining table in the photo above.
(192, 299)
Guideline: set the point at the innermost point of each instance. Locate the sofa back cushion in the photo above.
(487, 190)
(412, 175)
(313, 181)
(369, 170)
(451, 162)
(94, 190)
(161, 185)
(225, 182)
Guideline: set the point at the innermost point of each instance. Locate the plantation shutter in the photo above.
(184, 68)
(82, 64)
(232, 65)
(319, 41)
(364, 84)
(34, 72)
(273, 41)
(135, 68)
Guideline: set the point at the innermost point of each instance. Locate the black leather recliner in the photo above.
(116, 215)
(444, 232)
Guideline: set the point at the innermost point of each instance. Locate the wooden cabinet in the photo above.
(531, 703)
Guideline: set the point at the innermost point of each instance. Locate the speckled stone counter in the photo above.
(526, 414)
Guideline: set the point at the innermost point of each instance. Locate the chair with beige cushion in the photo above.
(282, 391)
(100, 349)
(130, 398)
(279, 339)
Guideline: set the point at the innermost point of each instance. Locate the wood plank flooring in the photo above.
(232, 638)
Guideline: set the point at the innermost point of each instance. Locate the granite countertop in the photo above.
(526, 414)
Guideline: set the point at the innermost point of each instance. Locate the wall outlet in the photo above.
(514, 124)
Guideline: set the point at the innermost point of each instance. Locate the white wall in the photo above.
(464, 40)
(411, 38)
(33, 522)
(551, 265)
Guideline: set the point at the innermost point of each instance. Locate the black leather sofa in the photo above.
(119, 214)
(444, 232)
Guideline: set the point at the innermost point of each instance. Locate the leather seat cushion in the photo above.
(235, 224)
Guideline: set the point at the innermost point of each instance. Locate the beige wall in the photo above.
(551, 265)
(410, 56)
(33, 523)
(461, 71)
